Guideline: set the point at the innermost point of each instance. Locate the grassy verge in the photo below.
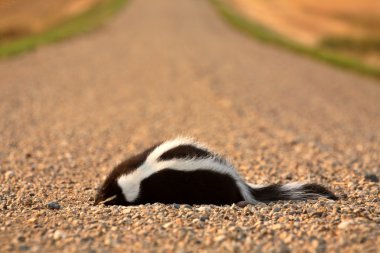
(371, 44)
(76, 25)
(266, 35)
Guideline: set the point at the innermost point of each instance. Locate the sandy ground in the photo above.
(71, 111)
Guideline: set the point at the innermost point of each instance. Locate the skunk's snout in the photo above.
(101, 198)
(98, 199)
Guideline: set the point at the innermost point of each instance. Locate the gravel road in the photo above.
(71, 111)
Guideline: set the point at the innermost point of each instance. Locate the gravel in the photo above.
(72, 111)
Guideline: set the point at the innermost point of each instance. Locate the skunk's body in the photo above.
(184, 171)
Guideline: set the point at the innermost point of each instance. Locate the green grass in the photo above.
(85, 22)
(264, 34)
(371, 44)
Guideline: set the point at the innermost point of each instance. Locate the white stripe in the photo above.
(257, 186)
(292, 186)
(166, 146)
(130, 183)
(295, 191)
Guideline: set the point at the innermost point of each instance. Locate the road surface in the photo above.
(71, 111)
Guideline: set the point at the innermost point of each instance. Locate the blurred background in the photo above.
(22, 18)
(347, 28)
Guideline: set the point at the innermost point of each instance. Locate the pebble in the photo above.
(32, 220)
(21, 238)
(204, 209)
(58, 234)
(277, 226)
(371, 178)
(203, 218)
(219, 238)
(345, 224)
(53, 205)
(9, 174)
(23, 247)
(167, 225)
(126, 210)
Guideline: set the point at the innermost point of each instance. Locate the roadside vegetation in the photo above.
(86, 21)
(346, 52)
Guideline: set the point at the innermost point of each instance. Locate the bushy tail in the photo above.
(291, 191)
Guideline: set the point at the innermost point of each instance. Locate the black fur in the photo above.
(267, 193)
(195, 187)
(319, 189)
(184, 151)
(274, 192)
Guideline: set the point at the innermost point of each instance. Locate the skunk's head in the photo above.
(110, 193)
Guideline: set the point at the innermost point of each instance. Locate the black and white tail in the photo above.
(290, 191)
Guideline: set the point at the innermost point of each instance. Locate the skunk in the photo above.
(183, 171)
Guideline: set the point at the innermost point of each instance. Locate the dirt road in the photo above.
(72, 110)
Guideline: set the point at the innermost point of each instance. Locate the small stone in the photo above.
(188, 206)
(234, 207)
(58, 234)
(178, 222)
(344, 224)
(23, 247)
(284, 248)
(32, 220)
(203, 218)
(277, 226)
(288, 238)
(195, 221)
(9, 174)
(320, 246)
(53, 205)
(371, 178)
(317, 214)
(126, 210)
(204, 209)
(167, 225)
(108, 241)
(176, 206)
(21, 238)
(219, 238)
